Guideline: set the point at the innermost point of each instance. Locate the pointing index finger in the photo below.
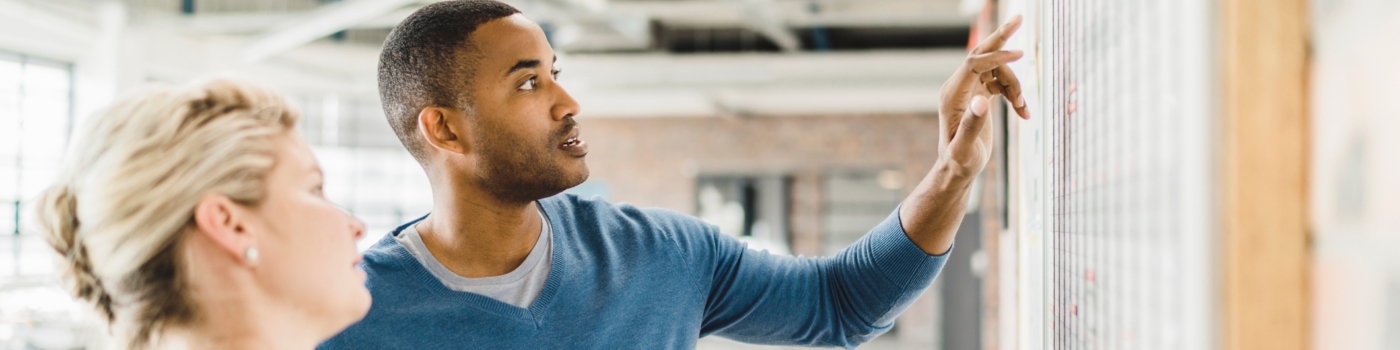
(955, 91)
(997, 39)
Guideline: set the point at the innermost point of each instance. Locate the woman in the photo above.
(194, 219)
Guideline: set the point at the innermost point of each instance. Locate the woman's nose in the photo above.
(357, 227)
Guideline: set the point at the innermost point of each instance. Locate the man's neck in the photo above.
(473, 235)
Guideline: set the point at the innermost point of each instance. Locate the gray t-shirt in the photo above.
(519, 287)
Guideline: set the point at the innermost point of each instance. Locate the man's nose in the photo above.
(564, 104)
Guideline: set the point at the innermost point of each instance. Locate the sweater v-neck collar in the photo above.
(531, 315)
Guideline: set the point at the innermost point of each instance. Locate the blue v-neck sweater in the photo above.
(630, 278)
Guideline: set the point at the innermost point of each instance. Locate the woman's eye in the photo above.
(317, 191)
(555, 74)
(528, 85)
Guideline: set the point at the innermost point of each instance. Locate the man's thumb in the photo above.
(973, 120)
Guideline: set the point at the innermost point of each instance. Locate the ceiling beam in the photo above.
(680, 12)
(42, 19)
(319, 23)
(764, 17)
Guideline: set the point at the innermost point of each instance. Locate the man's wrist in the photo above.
(930, 215)
(953, 176)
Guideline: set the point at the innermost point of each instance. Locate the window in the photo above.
(752, 208)
(367, 172)
(35, 121)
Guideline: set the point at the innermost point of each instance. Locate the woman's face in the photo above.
(307, 258)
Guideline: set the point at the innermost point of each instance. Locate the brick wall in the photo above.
(654, 161)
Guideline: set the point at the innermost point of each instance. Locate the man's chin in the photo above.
(572, 175)
(577, 177)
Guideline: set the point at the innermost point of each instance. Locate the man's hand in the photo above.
(932, 213)
(964, 143)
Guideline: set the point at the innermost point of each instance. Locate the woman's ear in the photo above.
(225, 223)
(436, 125)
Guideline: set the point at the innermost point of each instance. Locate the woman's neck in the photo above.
(233, 323)
(235, 312)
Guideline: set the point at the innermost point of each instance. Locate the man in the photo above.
(506, 262)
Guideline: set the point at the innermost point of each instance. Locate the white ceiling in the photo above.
(119, 47)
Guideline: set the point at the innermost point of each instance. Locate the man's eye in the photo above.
(555, 74)
(528, 85)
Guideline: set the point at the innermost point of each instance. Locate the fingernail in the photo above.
(1020, 101)
(979, 106)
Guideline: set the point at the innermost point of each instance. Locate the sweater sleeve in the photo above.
(842, 301)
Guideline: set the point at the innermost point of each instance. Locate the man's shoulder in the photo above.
(598, 212)
(621, 229)
(385, 259)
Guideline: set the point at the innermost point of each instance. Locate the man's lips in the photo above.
(572, 139)
(573, 145)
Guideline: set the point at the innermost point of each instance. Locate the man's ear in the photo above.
(436, 125)
(225, 223)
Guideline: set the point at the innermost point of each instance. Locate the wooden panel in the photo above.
(1264, 48)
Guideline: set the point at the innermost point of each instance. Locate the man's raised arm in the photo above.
(854, 296)
(932, 212)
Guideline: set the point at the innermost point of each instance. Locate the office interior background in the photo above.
(1198, 174)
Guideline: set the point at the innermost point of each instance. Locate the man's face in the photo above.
(523, 135)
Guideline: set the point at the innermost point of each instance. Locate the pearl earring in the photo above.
(251, 254)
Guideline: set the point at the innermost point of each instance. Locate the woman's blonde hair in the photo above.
(129, 186)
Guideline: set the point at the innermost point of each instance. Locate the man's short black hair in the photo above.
(425, 63)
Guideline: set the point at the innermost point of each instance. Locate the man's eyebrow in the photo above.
(523, 64)
(527, 64)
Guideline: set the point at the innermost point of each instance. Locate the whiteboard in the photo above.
(1111, 195)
